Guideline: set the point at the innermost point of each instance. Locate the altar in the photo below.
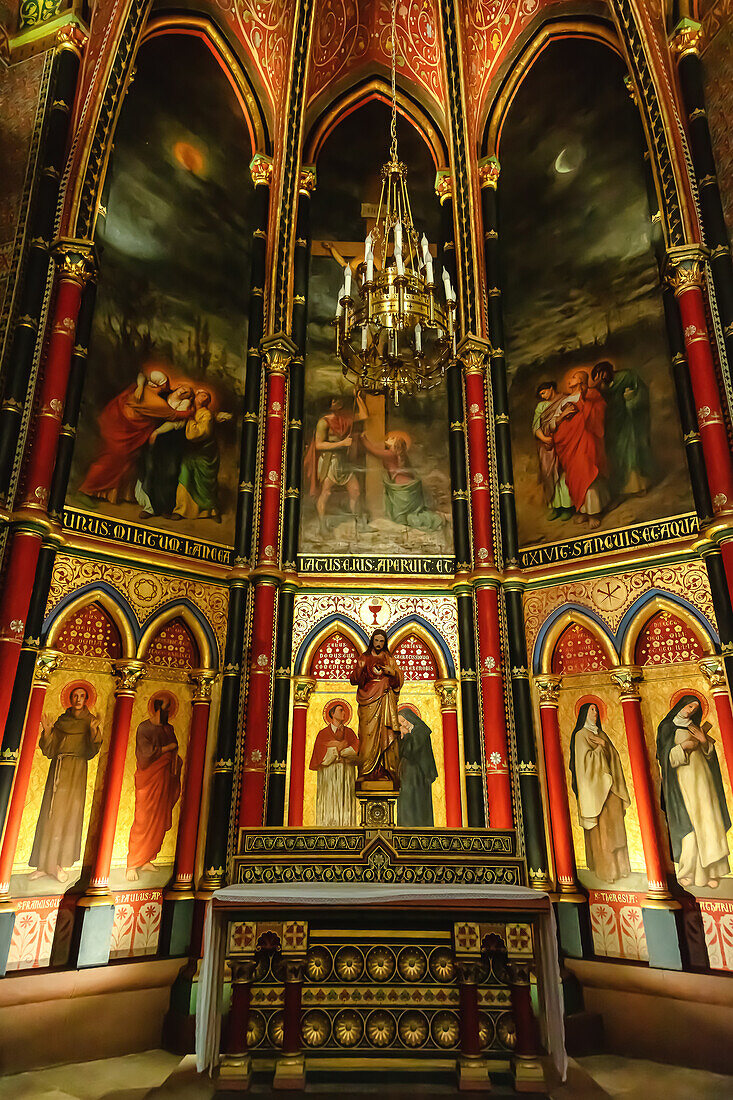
(404, 953)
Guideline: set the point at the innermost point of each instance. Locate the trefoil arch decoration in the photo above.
(111, 601)
(558, 623)
(195, 622)
(653, 603)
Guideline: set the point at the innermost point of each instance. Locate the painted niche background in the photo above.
(170, 317)
(581, 287)
(413, 519)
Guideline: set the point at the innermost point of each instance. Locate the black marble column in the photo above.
(261, 173)
(475, 807)
(291, 520)
(686, 43)
(529, 783)
(39, 233)
(222, 780)
(44, 569)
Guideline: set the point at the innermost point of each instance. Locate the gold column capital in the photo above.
(548, 688)
(302, 691)
(76, 260)
(713, 670)
(627, 678)
(47, 663)
(260, 168)
(447, 692)
(202, 681)
(687, 37)
(307, 179)
(685, 267)
(444, 184)
(474, 352)
(128, 675)
(488, 172)
(278, 351)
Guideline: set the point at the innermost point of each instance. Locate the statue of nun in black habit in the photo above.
(694, 798)
(599, 786)
(417, 771)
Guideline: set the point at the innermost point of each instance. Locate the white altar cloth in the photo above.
(362, 895)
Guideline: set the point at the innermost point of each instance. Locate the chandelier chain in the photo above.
(393, 147)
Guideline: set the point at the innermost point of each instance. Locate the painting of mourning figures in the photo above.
(157, 437)
(595, 431)
(376, 474)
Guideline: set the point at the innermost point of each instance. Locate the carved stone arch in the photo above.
(208, 658)
(88, 160)
(92, 597)
(648, 611)
(330, 109)
(625, 39)
(567, 621)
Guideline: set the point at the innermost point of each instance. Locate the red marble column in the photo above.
(48, 661)
(548, 688)
(75, 264)
(278, 351)
(254, 764)
(714, 672)
(496, 753)
(303, 689)
(290, 1066)
(626, 680)
(447, 692)
(686, 276)
(234, 1034)
(475, 356)
(129, 674)
(185, 861)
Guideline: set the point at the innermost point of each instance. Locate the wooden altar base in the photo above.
(377, 954)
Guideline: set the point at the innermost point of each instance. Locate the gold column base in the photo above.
(660, 899)
(571, 894)
(89, 901)
(235, 1071)
(179, 891)
(529, 1073)
(473, 1074)
(289, 1072)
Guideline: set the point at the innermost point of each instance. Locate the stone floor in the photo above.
(162, 1076)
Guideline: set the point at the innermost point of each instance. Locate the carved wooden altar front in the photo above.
(375, 952)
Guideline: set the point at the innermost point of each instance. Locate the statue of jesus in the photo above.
(378, 680)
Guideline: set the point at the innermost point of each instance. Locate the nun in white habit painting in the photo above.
(600, 789)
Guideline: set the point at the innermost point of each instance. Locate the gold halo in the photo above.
(602, 708)
(336, 702)
(67, 689)
(704, 704)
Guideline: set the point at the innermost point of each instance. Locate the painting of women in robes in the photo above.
(157, 784)
(694, 798)
(155, 489)
(378, 680)
(417, 771)
(125, 427)
(335, 758)
(599, 786)
(197, 493)
(69, 743)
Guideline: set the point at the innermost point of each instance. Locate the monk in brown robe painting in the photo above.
(73, 739)
(157, 785)
(378, 681)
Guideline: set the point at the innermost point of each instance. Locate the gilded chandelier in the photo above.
(395, 337)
